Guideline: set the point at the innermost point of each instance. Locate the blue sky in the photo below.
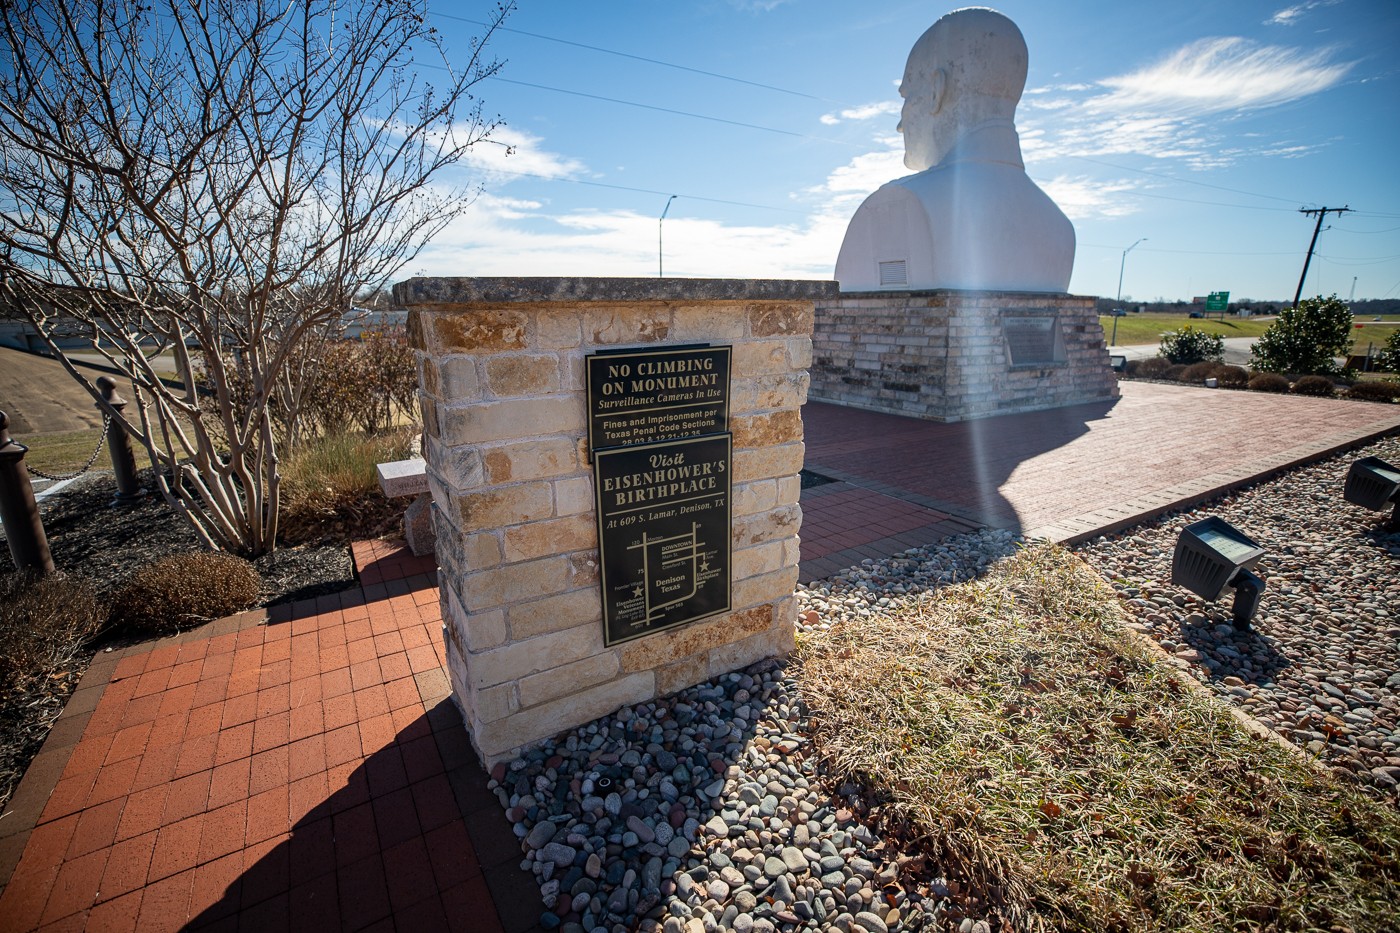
(1202, 126)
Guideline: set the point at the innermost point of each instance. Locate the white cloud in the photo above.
(756, 6)
(1082, 197)
(1214, 75)
(1174, 107)
(865, 112)
(1289, 16)
(510, 151)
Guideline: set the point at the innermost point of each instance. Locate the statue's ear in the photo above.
(940, 84)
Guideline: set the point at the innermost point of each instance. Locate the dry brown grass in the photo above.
(186, 589)
(331, 489)
(1025, 744)
(44, 623)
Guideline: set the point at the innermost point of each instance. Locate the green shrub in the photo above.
(1153, 368)
(44, 620)
(1231, 377)
(186, 589)
(1306, 338)
(1188, 345)
(1374, 391)
(1314, 385)
(1198, 373)
(1268, 382)
(1387, 359)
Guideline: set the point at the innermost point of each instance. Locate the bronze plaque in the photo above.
(1030, 339)
(643, 396)
(664, 533)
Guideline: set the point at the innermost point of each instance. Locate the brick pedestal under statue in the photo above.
(952, 355)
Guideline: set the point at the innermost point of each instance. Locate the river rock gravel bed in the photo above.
(703, 811)
(1321, 664)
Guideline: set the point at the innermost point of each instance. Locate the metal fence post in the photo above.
(129, 491)
(19, 513)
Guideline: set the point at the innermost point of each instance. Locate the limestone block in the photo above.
(526, 460)
(495, 702)
(514, 376)
(514, 583)
(780, 320)
(475, 331)
(567, 679)
(754, 497)
(772, 525)
(403, 477)
(558, 536)
(769, 587)
(477, 632)
(484, 422)
(573, 495)
(789, 490)
(766, 430)
(495, 740)
(707, 323)
(418, 526)
(684, 673)
(456, 379)
(671, 644)
(758, 560)
(557, 330)
(628, 324)
(573, 374)
(783, 460)
(583, 569)
(458, 467)
(533, 655)
(739, 654)
(759, 357)
(504, 505)
(784, 390)
(555, 613)
(429, 412)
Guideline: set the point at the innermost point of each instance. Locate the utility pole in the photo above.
(659, 266)
(1321, 213)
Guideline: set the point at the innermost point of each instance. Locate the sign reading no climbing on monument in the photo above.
(664, 533)
(639, 396)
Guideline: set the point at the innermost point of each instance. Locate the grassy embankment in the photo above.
(1020, 742)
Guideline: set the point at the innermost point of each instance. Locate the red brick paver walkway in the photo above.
(296, 774)
(1046, 470)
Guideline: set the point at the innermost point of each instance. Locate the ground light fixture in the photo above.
(1373, 484)
(1212, 559)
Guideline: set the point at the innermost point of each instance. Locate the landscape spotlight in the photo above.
(1213, 558)
(1373, 484)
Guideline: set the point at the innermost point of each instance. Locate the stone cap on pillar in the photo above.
(495, 290)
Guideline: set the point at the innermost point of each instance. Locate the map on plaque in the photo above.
(664, 533)
(1030, 339)
(640, 396)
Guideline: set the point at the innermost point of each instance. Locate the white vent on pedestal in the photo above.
(893, 274)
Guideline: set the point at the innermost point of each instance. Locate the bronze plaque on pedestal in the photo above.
(664, 533)
(1031, 339)
(641, 396)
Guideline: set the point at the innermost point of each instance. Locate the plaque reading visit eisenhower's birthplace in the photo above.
(640, 396)
(664, 533)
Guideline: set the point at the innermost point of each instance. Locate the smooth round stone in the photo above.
(542, 832)
(742, 923)
(613, 803)
(718, 890)
(677, 847)
(871, 922)
(594, 866)
(745, 901)
(795, 861)
(549, 920)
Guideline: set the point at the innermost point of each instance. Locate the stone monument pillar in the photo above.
(505, 377)
(954, 278)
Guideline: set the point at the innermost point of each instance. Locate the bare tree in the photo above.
(221, 176)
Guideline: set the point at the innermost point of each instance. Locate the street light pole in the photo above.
(1122, 264)
(659, 265)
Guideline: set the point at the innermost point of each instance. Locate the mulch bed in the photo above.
(105, 546)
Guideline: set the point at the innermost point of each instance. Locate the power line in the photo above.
(683, 113)
(650, 61)
(1191, 252)
(1167, 197)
